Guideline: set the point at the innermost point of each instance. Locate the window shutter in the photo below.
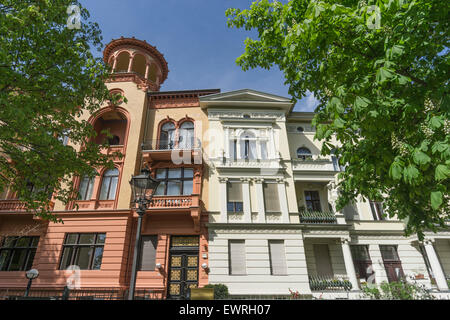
(234, 192)
(237, 257)
(271, 200)
(277, 257)
(148, 253)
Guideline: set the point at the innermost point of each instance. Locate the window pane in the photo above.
(84, 257)
(3, 259)
(23, 242)
(18, 260)
(160, 190)
(111, 173)
(90, 189)
(174, 188)
(239, 206)
(187, 187)
(9, 242)
(174, 173)
(30, 259)
(188, 173)
(83, 188)
(230, 206)
(113, 188)
(264, 154)
(104, 190)
(98, 256)
(87, 238)
(71, 238)
(66, 257)
(101, 238)
(161, 173)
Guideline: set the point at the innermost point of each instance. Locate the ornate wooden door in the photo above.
(183, 268)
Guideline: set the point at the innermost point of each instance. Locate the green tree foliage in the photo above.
(401, 290)
(48, 78)
(220, 291)
(380, 70)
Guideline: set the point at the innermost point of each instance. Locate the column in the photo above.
(260, 199)
(114, 64)
(377, 264)
(226, 146)
(435, 265)
(283, 201)
(246, 200)
(130, 64)
(349, 266)
(147, 68)
(223, 200)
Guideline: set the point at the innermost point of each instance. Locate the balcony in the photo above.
(315, 168)
(16, 205)
(164, 150)
(317, 217)
(171, 202)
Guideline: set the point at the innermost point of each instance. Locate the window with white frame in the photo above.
(234, 194)
(237, 265)
(277, 255)
(377, 210)
(271, 198)
(249, 145)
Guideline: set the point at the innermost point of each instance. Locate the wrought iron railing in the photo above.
(329, 283)
(317, 217)
(161, 145)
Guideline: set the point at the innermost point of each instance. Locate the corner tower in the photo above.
(137, 61)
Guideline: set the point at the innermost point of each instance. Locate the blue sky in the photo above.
(194, 37)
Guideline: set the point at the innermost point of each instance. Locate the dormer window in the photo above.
(304, 153)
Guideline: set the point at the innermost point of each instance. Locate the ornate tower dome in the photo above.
(137, 61)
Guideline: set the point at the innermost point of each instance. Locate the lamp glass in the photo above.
(143, 185)
(32, 274)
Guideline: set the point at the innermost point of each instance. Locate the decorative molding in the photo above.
(259, 115)
(223, 179)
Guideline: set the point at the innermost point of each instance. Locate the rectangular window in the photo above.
(175, 182)
(377, 210)
(323, 260)
(277, 258)
(17, 253)
(271, 199)
(392, 263)
(237, 257)
(264, 153)
(84, 250)
(312, 200)
(234, 194)
(362, 261)
(147, 257)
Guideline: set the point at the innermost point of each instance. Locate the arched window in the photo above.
(167, 136)
(86, 188)
(300, 129)
(109, 184)
(304, 153)
(122, 62)
(139, 64)
(248, 146)
(186, 139)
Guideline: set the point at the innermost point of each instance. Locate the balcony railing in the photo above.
(317, 217)
(167, 145)
(315, 163)
(171, 202)
(16, 205)
(329, 283)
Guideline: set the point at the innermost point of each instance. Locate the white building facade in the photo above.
(273, 227)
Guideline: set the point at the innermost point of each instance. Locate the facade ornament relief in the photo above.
(333, 194)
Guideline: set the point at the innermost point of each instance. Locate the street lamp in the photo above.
(31, 275)
(143, 187)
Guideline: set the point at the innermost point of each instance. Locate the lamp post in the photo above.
(143, 187)
(31, 275)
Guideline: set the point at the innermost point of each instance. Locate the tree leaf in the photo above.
(442, 172)
(420, 157)
(395, 171)
(436, 199)
(410, 173)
